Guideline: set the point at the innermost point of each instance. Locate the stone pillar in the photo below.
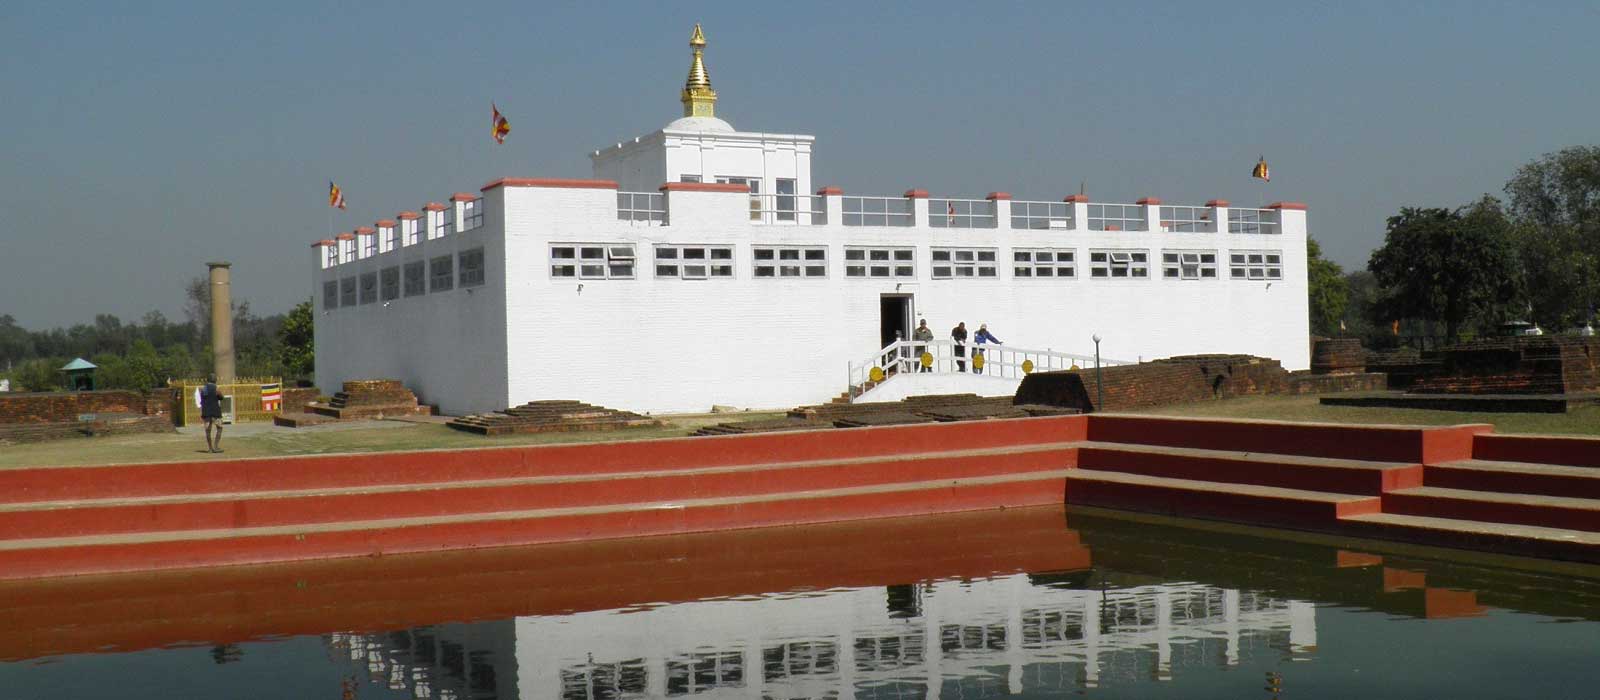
(221, 322)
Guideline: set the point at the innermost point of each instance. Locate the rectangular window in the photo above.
(347, 291)
(369, 287)
(416, 278)
(899, 263)
(1048, 263)
(330, 294)
(332, 255)
(369, 245)
(1265, 265)
(1189, 264)
(389, 284)
(349, 250)
(1119, 264)
(688, 178)
(954, 263)
(593, 261)
(469, 267)
(785, 199)
(472, 212)
(1116, 217)
(445, 224)
(790, 261)
(408, 231)
(687, 262)
(386, 239)
(441, 274)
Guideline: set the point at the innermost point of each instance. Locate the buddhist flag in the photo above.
(335, 196)
(1260, 172)
(500, 127)
(271, 397)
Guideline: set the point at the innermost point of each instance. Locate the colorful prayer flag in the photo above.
(500, 127)
(271, 397)
(335, 196)
(1260, 172)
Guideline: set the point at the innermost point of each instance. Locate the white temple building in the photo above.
(700, 267)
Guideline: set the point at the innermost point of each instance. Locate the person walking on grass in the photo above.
(209, 400)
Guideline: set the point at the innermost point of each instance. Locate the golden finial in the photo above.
(699, 100)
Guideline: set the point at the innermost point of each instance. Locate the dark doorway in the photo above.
(894, 316)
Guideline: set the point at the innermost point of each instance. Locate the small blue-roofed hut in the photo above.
(80, 374)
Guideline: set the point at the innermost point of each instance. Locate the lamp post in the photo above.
(1099, 389)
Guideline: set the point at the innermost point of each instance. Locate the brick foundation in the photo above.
(66, 406)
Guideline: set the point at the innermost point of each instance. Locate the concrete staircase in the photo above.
(81, 520)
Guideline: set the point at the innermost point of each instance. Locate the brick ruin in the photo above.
(371, 398)
(47, 415)
(1516, 365)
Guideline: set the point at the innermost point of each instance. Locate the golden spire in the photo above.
(699, 100)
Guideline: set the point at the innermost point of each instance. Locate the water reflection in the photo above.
(965, 606)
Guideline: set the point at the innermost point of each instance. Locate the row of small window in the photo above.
(439, 274)
(707, 262)
(409, 232)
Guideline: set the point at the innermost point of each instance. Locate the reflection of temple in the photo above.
(1012, 632)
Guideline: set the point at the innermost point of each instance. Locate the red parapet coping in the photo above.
(916, 194)
(385, 223)
(998, 195)
(346, 237)
(1075, 198)
(1297, 206)
(408, 216)
(434, 206)
(463, 197)
(830, 191)
(365, 230)
(563, 183)
(704, 187)
(1149, 200)
(322, 243)
(1217, 203)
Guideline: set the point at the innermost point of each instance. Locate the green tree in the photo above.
(42, 374)
(1555, 203)
(1328, 291)
(298, 350)
(1446, 266)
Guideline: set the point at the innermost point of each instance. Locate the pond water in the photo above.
(1030, 602)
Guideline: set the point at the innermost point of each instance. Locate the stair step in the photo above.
(1544, 449)
(1391, 443)
(1520, 540)
(1515, 508)
(1515, 477)
(1249, 503)
(1259, 468)
(58, 556)
(300, 506)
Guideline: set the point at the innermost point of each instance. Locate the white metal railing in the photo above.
(1253, 221)
(961, 213)
(876, 211)
(1117, 217)
(1188, 220)
(950, 357)
(642, 208)
(1042, 215)
(788, 209)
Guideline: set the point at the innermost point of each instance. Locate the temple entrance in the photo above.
(894, 317)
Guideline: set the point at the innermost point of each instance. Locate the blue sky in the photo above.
(139, 140)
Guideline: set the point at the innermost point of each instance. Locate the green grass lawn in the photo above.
(381, 436)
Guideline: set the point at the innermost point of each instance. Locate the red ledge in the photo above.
(916, 194)
(384, 223)
(550, 182)
(704, 187)
(1075, 198)
(999, 195)
(463, 197)
(322, 243)
(346, 237)
(1298, 206)
(1149, 200)
(365, 230)
(1113, 227)
(408, 216)
(1216, 202)
(434, 206)
(830, 190)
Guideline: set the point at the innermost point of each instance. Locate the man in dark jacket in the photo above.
(959, 334)
(209, 399)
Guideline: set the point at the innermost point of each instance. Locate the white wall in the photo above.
(643, 164)
(904, 384)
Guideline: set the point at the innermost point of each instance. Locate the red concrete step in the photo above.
(304, 506)
(1519, 540)
(1515, 477)
(1538, 449)
(1483, 506)
(1388, 443)
(442, 466)
(1288, 471)
(1267, 505)
(61, 556)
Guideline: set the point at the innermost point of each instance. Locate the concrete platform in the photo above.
(1484, 403)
